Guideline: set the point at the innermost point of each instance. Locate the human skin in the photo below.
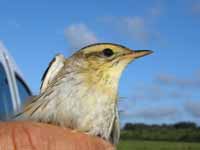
(39, 136)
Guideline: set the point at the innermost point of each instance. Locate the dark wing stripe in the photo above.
(46, 71)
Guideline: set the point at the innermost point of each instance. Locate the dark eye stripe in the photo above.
(108, 52)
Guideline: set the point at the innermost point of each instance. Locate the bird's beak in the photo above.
(139, 53)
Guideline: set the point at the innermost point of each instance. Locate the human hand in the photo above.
(38, 136)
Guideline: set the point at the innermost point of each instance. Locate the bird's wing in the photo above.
(54, 67)
(115, 133)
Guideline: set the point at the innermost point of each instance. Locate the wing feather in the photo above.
(115, 133)
(51, 72)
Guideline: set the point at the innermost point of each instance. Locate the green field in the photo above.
(154, 145)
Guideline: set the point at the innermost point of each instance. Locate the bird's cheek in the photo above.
(124, 62)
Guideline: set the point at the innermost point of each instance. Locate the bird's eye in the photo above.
(108, 52)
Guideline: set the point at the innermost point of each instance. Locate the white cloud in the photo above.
(165, 79)
(191, 82)
(196, 8)
(14, 23)
(135, 27)
(155, 11)
(153, 92)
(138, 28)
(154, 113)
(193, 107)
(178, 94)
(79, 35)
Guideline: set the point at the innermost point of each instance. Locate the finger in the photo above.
(38, 136)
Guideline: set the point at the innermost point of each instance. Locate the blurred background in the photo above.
(161, 89)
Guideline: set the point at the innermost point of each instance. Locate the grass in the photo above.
(156, 145)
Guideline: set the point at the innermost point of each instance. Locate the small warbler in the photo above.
(81, 92)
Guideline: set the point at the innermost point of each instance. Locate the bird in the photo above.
(81, 92)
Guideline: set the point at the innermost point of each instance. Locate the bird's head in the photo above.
(107, 60)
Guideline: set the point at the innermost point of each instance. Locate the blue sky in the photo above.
(161, 88)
